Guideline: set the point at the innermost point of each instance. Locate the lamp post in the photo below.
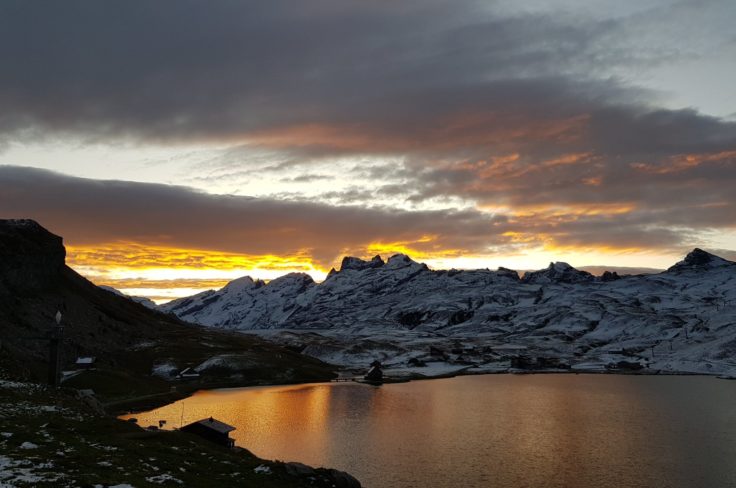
(57, 335)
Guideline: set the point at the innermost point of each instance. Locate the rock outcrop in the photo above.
(557, 273)
(32, 258)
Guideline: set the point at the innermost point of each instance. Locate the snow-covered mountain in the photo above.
(683, 319)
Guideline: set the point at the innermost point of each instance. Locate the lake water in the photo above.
(490, 431)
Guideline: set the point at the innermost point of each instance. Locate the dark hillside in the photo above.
(127, 339)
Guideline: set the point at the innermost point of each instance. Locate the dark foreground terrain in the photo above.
(53, 438)
(60, 437)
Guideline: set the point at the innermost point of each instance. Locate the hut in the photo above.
(212, 430)
(85, 362)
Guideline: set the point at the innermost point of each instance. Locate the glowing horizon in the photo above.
(164, 274)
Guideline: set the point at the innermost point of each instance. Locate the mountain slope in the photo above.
(146, 302)
(129, 341)
(683, 319)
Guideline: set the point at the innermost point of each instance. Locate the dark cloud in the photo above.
(221, 70)
(89, 212)
(437, 79)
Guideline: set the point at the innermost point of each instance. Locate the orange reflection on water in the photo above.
(273, 413)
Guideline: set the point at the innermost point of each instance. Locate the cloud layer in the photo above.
(487, 128)
(330, 75)
(93, 212)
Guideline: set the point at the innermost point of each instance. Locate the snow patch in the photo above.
(163, 478)
(164, 370)
(262, 469)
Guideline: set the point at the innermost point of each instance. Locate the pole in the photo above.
(57, 336)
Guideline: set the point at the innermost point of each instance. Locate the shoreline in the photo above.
(135, 405)
(125, 406)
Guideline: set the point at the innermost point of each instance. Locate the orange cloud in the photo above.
(164, 273)
(131, 255)
(422, 249)
(683, 162)
(453, 131)
(571, 212)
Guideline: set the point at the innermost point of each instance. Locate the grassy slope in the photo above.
(128, 340)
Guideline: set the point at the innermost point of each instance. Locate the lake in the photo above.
(550, 430)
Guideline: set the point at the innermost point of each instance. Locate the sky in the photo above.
(176, 145)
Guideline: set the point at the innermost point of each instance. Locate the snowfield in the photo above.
(414, 319)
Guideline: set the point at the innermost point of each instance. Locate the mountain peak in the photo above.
(291, 279)
(558, 272)
(242, 283)
(699, 259)
(399, 259)
(351, 262)
(507, 273)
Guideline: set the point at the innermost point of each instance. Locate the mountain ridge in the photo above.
(558, 311)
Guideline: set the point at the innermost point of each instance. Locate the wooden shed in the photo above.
(212, 430)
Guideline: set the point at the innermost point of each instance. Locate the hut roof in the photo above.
(215, 425)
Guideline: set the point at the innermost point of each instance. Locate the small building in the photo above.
(85, 362)
(213, 430)
(188, 374)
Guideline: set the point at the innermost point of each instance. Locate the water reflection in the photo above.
(503, 430)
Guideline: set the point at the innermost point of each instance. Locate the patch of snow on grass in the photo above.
(164, 370)
(21, 471)
(262, 469)
(163, 478)
(16, 385)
